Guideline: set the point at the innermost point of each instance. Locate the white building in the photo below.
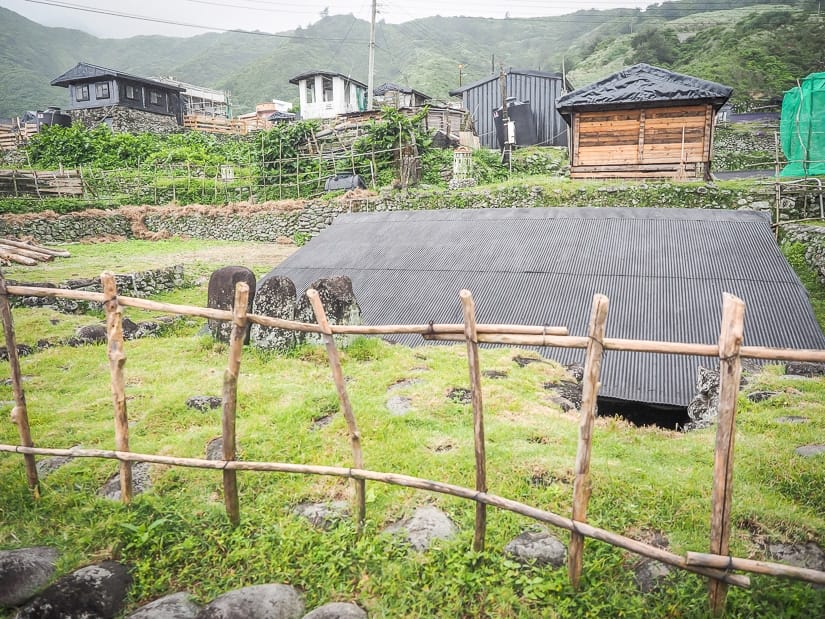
(326, 94)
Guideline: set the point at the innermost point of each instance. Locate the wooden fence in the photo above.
(16, 135)
(716, 565)
(63, 183)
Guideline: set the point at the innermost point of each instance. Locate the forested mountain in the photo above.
(759, 48)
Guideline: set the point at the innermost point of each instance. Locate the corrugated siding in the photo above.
(664, 271)
(540, 91)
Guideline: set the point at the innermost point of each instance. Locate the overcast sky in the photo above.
(268, 15)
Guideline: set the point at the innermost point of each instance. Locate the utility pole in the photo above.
(372, 57)
(505, 117)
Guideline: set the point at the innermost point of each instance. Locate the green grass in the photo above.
(177, 537)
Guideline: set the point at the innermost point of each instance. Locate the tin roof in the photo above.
(664, 271)
(528, 72)
(84, 72)
(643, 85)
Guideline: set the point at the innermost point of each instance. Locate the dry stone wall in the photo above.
(813, 238)
(124, 119)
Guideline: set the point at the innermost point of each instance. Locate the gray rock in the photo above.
(221, 295)
(399, 405)
(809, 451)
(256, 602)
(24, 572)
(804, 368)
(807, 555)
(174, 606)
(337, 610)
(427, 523)
(275, 297)
(649, 574)
(204, 402)
(323, 515)
(92, 592)
(339, 303)
(91, 334)
(704, 407)
(537, 547)
(761, 396)
(141, 482)
(214, 449)
(791, 419)
(49, 465)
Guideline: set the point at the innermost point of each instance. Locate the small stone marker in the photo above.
(95, 591)
(273, 601)
(221, 295)
(537, 547)
(791, 419)
(399, 405)
(649, 574)
(90, 334)
(275, 298)
(141, 482)
(24, 572)
(337, 610)
(428, 523)
(339, 304)
(204, 403)
(174, 606)
(761, 396)
(809, 451)
(323, 515)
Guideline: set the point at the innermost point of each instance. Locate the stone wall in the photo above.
(126, 119)
(813, 238)
(267, 222)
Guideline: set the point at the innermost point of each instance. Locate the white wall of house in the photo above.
(324, 96)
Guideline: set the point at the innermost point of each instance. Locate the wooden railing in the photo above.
(716, 565)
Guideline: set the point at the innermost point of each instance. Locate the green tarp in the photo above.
(802, 128)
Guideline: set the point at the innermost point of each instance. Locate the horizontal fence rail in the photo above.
(716, 565)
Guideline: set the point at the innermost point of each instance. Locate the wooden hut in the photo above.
(642, 122)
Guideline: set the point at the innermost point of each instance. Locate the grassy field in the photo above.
(176, 536)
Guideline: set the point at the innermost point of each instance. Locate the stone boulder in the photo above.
(428, 523)
(537, 547)
(273, 601)
(92, 592)
(704, 407)
(275, 298)
(221, 295)
(24, 572)
(174, 606)
(337, 610)
(141, 482)
(339, 304)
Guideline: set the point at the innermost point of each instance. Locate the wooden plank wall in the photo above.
(41, 183)
(668, 141)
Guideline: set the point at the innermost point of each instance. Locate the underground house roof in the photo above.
(664, 271)
(84, 72)
(643, 85)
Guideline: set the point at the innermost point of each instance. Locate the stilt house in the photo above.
(643, 121)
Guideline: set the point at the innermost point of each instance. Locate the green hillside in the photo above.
(758, 48)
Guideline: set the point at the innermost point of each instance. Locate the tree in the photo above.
(656, 46)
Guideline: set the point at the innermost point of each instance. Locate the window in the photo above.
(102, 90)
(311, 90)
(131, 92)
(155, 97)
(327, 88)
(81, 92)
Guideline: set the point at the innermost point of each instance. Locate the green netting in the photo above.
(802, 128)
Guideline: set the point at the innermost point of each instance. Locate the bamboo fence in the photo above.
(716, 565)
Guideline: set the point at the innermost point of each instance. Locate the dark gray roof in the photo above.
(643, 85)
(306, 74)
(664, 271)
(528, 72)
(84, 72)
(393, 87)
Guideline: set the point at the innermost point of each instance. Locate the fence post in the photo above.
(19, 413)
(230, 400)
(730, 370)
(471, 335)
(117, 359)
(343, 397)
(590, 391)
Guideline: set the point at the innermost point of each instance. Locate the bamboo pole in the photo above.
(38, 248)
(608, 537)
(27, 252)
(730, 370)
(590, 391)
(19, 413)
(469, 307)
(230, 400)
(757, 567)
(343, 397)
(117, 359)
(18, 258)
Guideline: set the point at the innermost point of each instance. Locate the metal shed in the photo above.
(541, 89)
(664, 270)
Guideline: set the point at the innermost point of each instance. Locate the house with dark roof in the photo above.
(327, 94)
(533, 92)
(398, 96)
(124, 101)
(664, 271)
(643, 121)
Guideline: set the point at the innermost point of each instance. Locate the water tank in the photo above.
(522, 115)
(53, 116)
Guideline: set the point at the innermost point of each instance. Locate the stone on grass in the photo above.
(214, 449)
(399, 405)
(649, 574)
(275, 298)
(49, 465)
(221, 295)
(273, 601)
(91, 334)
(428, 523)
(807, 555)
(537, 547)
(761, 396)
(140, 482)
(809, 451)
(92, 592)
(204, 402)
(337, 610)
(323, 515)
(339, 303)
(804, 368)
(791, 419)
(174, 606)
(24, 572)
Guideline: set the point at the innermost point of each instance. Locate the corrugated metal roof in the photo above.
(664, 271)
